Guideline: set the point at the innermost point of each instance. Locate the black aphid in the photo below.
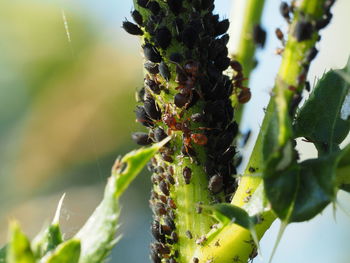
(152, 109)
(142, 117)
(160, 248)
(216, 184)
(311, 54)
(151, 67)
(151, 53)
(307, 86)
(137, 17)
(166, 157)
(155, 229)
(180, 100)
(159, 134)
(259, 36)
(222, 63)
(163, 37)
(142, 3)
(132, 29)
(170, 223)
(284, 10)
(187, 174)
(154, 256)
(175, 6)
(303, 31)
(141, 138)
(195, 260)
(176, 57)
(189, 36)
(159, 209)
(164, 71)
(222, 27)
(154, 7)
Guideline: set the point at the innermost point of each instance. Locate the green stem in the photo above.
(246, 47)
(233, 239)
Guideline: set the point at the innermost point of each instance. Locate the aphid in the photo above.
(222, 27)
(164, 71)
(165, 229)
(188, 234)
(228, 154)
(311, 54)
(279, 51)
(163, 198)
(259, 36)
(137, 17)
(251, 169)
(189, 36)
(151, 67)
(181, 100)
(152, 109)
(217, 243)
(175, 6)
(187, 174)
(303, 31)
(279, 35)
(200, 241)
(284, 10)
(307, 86)
(155, 229)
(163, 186)
(159, 134)
(141, 138)
(222, 63)
(142, 117)
(216, 184)
(163, 37)
(176, 57)
(187, 150)
(322, 23)
(174, 236)
(166, 157)
(154, 256)
(154, 7)
(170, 223)
(195, 260)
(171, 203)
(244, 96)
(151, 53)
(132, 29)
(236, 66)
(142, 3)
(246, 137)
(160, 248)
(159, 209)
(199, 208)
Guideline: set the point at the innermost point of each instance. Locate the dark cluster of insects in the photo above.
(190, 76)
(303, 30)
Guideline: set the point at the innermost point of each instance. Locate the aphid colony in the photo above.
(185, 94)
(303, 30)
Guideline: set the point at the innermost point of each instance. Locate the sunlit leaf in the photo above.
(68, 251)
(324, 118)
(98, 234)
(18, 250)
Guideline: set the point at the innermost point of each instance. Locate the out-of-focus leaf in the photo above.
(3, 254)
(324, 118)
(50, 237)
(68, 251)
(18, 250)
(98, 234)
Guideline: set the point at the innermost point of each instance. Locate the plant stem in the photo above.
(233, 239)
(245, 51)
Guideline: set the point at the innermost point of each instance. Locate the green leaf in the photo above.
(68, 251)
(227, 213)
(324, 118)
(98, 234)
(18, 250)
(3, 254)
(50, 237)
(304, 189)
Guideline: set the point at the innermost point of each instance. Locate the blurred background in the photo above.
(68, 74)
